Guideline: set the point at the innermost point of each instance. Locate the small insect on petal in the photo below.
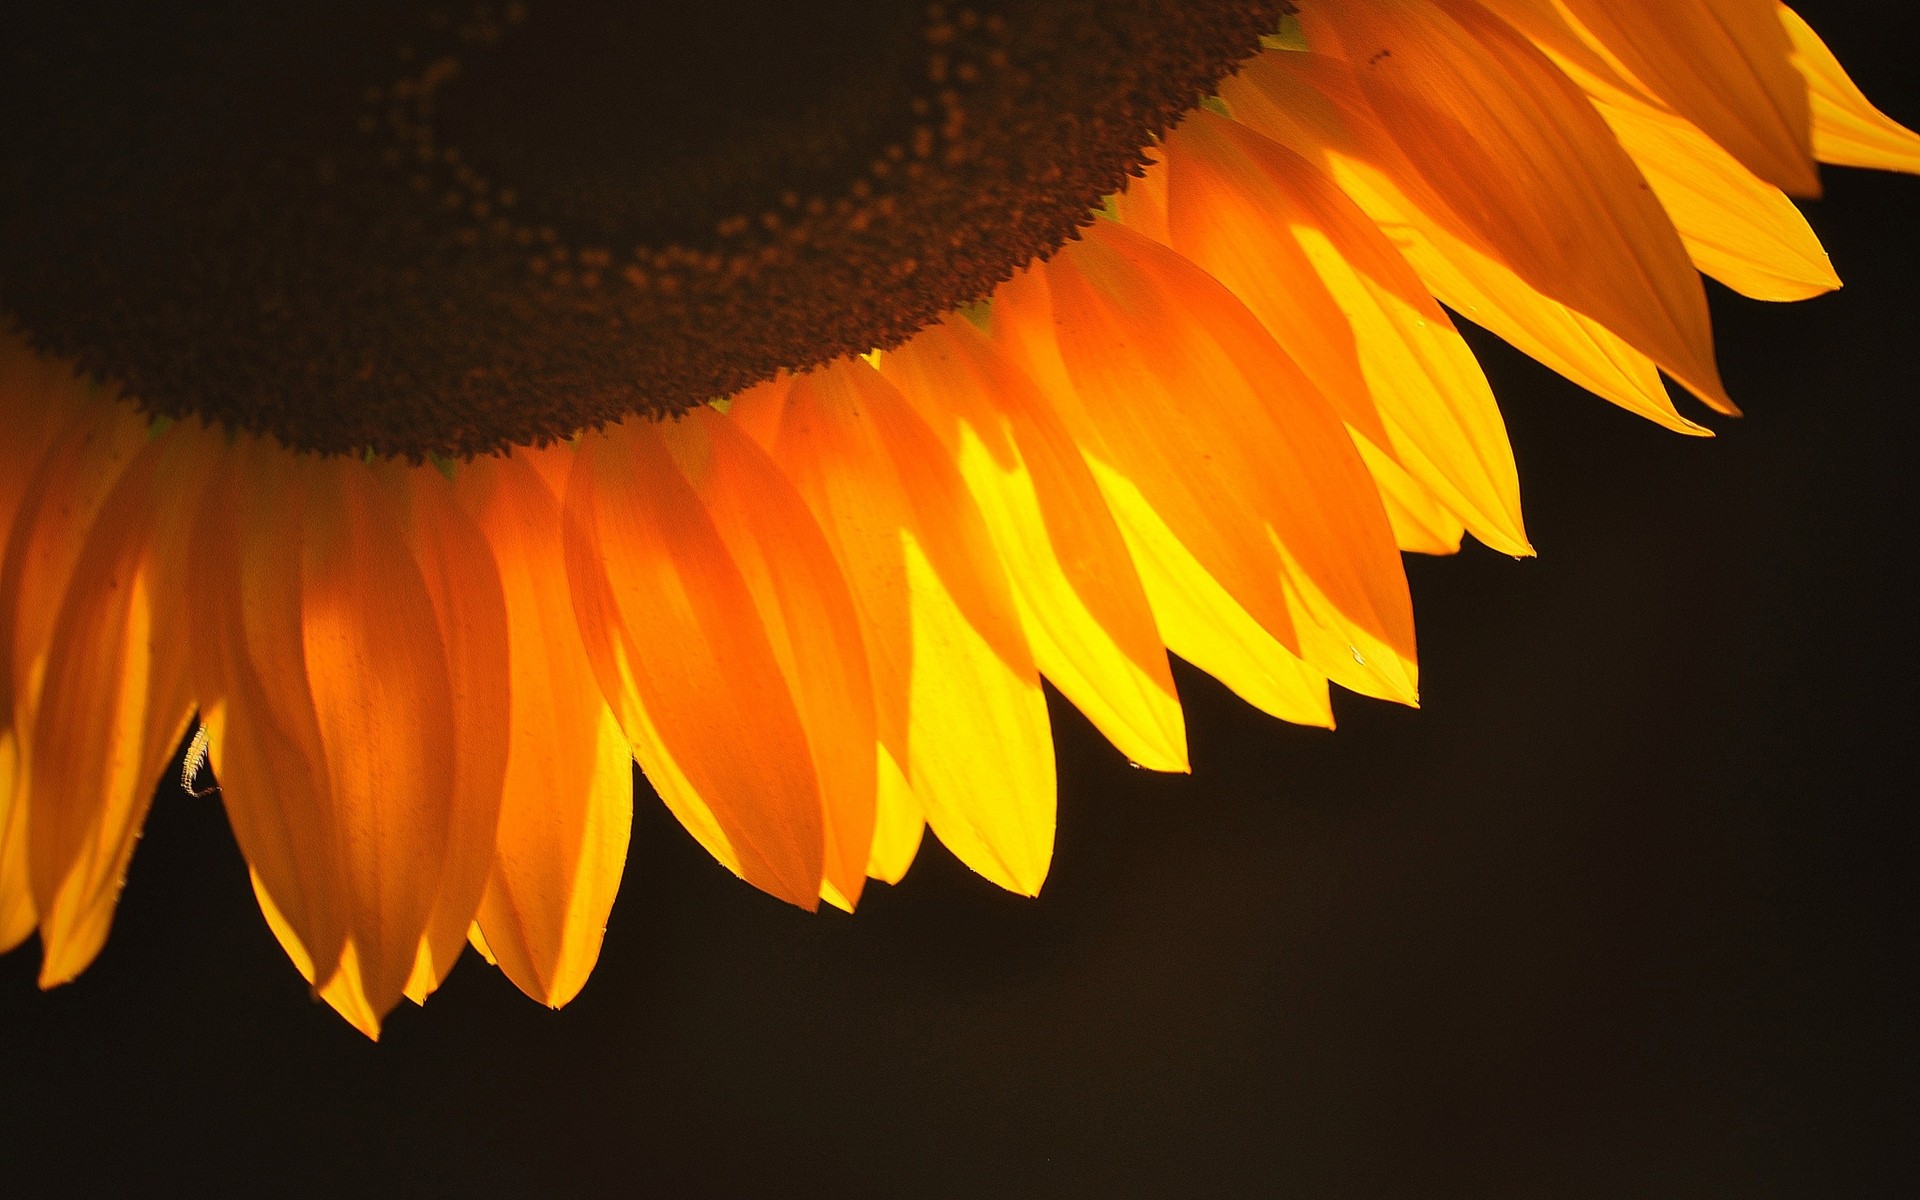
(194, 762)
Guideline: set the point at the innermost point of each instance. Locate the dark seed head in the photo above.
(443, 229)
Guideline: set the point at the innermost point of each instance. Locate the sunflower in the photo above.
(418, 416)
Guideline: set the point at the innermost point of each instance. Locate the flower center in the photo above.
(445, 229)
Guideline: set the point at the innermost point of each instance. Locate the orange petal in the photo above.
(1522, 159)
(1311, 104)
(958, 700)
(1548, 25)
(1724, 65)
(470, 610)
(383, 699)
(1143, 205)
(250, 682)
(54, 503)
(1340, 299)
(1737, 227)
(345, 990)
(1576, 346)
(1847, 129)
(17, 916)
(329, 710)
(1081, 604)
(1196, 616)
(677, 640)
(116, 700)
(810, 621)
(567, 810)
(39, 396)
(1184, 393)
(56, 509)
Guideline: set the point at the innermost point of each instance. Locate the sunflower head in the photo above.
(428, 229)
(939, 431)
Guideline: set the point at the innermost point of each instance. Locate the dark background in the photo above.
(1620, 913)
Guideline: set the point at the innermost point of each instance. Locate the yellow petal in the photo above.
(1522, 161)
(1421, 524)
(1737, 227)
(116, 699)
(1081, 604)
(567, 811)
(1204, 624)
(1183, 392)
(470, 611)
(1310, 103)
(682, 651)
(1312, 266)
(958, 700)
(478, 940)
(898, 824)
(1724, 65)
(1847, 129)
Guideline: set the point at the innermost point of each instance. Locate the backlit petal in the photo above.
(59, 505)
(250, 681)
(1203, 623)
(1311, 104)
(1737, 227)
(38, 396)
(116, 700)
(959, 705)
(1420, 523)
(1081, 603)
(678, 643)
(55, 502)
(811, 624)
(17, 916)
(1724, 65)
(567, 811)
(1313, 267)
(1528, 169)
(383, 699)
(1847, 129)
(470, 612)
(1181, 391)
(1196, 616)
(898, 824)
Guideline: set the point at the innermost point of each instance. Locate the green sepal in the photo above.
(1288, 37)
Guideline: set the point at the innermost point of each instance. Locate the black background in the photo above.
(1620, 912)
